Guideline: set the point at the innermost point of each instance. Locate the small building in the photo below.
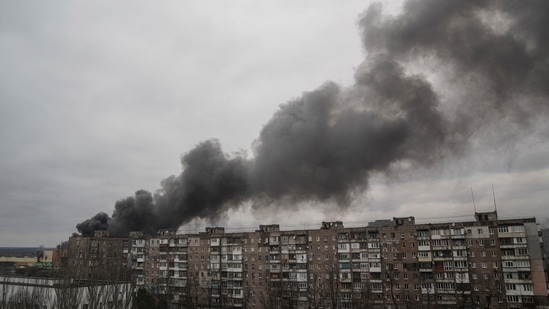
(46, 293)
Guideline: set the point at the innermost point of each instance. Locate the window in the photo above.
(521, 251)
(460, 264)
(527, 299)
(517, 228)
(510, 287)
(512, 298)
(523, 263)
(503, 229)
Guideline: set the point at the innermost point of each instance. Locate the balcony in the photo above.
(425, 259)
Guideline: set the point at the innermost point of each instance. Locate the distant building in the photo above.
(26, 264)
(483, 263)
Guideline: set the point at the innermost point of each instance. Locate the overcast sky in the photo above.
(99, 99)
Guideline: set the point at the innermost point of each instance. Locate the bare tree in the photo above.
(317, 291)
(389, 284)
(332, 284)
(28, 296)
(68, 293)
(361, 299)
(488, 290)
(427, 290)
(21, 298)
(5, 290)
(191, 290)
(247, 292)
(42, 292)
(272, 298)
(206, 288)
(198, 290)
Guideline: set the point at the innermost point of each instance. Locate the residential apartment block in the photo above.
(99, 258)
(483, 263)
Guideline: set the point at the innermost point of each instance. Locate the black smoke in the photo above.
(326, 144)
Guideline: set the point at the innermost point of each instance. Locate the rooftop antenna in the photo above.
(494, 195)
(473, 197)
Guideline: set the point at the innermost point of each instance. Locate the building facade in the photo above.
(482, 263)
(99, 258)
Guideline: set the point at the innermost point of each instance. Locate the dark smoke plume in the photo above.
(324, 145)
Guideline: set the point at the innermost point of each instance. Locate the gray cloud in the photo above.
(97, 102)
(326, 144)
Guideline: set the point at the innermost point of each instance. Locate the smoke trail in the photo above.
(324, 145)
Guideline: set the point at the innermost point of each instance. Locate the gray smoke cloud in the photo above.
(324, 145)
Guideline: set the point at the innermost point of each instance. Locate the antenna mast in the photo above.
(494, 194)
(473, 197)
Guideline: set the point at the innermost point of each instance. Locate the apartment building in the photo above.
(98, 258)
(482, 263)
